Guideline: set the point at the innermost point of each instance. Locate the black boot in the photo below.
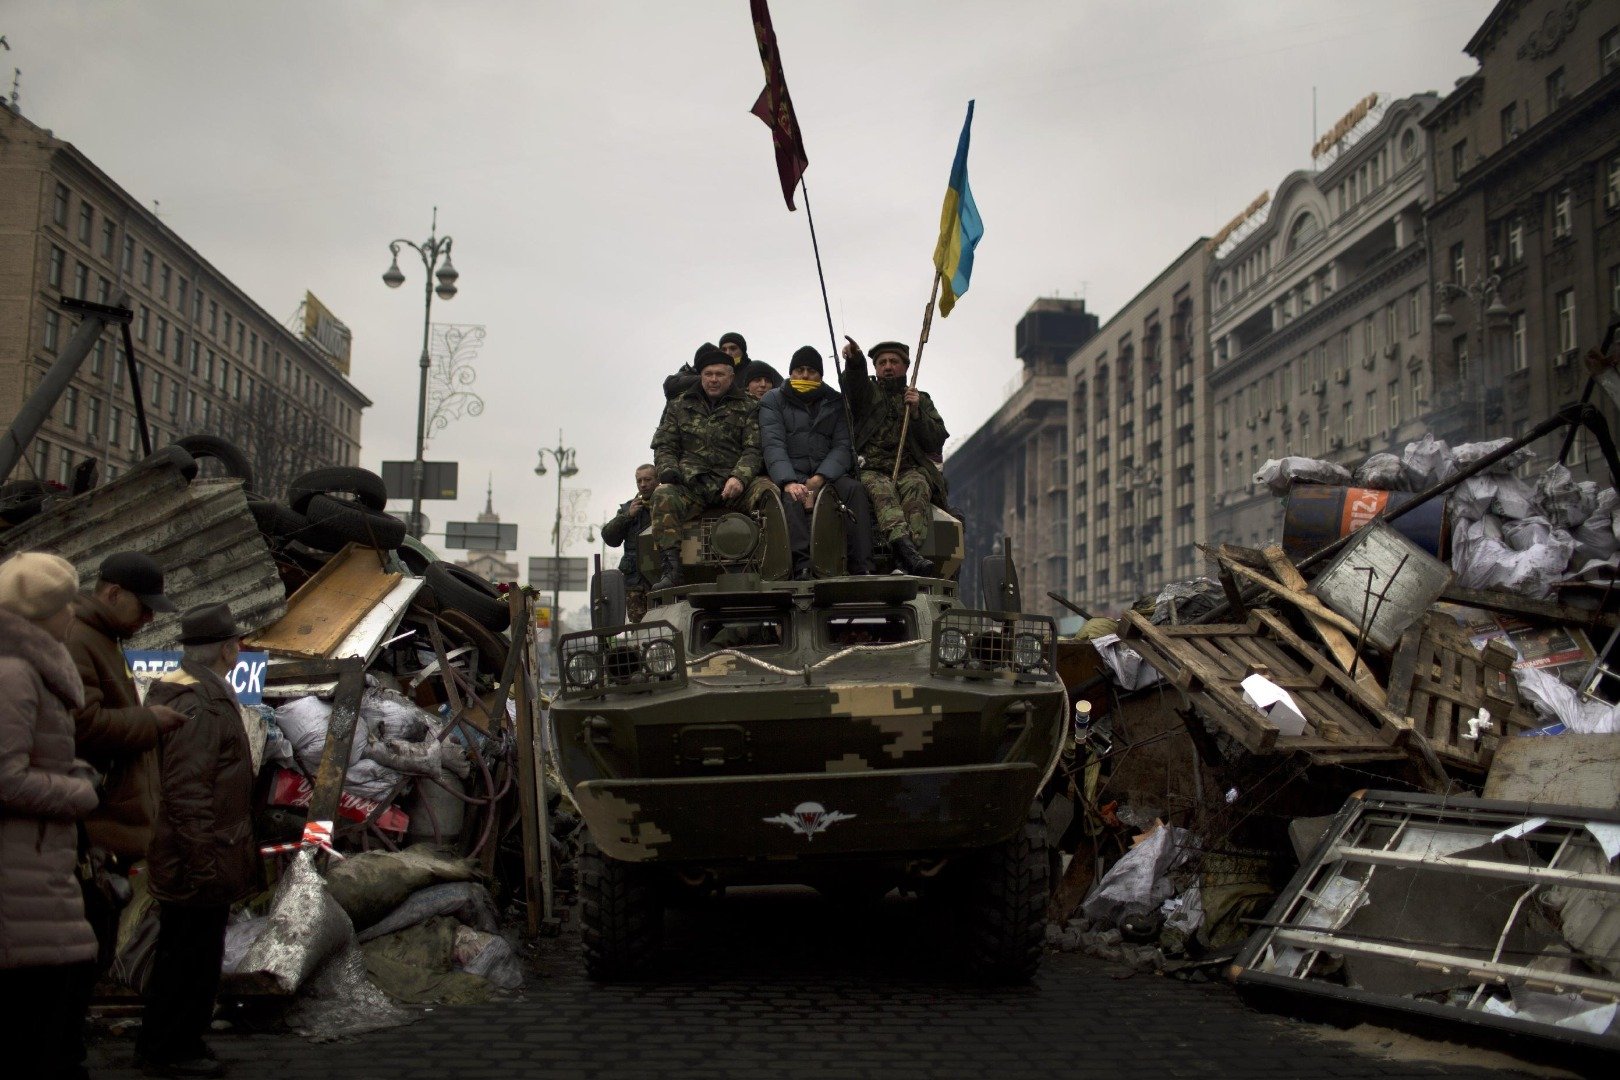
(670, 561)
(909, 559)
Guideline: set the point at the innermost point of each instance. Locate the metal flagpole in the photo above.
(832, 338)
(916, 366)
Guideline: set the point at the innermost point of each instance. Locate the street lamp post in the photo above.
(431, 250)
(563, 457)
(1489, 311)
(1139, 479)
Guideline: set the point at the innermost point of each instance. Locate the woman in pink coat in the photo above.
(47, 949)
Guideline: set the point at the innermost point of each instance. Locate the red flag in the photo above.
(775, 107)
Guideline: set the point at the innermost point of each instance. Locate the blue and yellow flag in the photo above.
(959, 227)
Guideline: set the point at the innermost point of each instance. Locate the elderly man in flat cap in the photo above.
(879, 405)
(113, 730)
(203, 858)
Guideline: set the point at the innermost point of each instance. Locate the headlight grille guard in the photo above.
(998, 645)
(614, 660)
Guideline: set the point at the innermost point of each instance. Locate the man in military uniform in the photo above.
(733, 345)
(631, 520)
(879, 406)
(706, 451)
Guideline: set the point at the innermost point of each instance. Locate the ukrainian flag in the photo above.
(959, 227)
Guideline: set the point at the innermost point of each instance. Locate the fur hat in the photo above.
(709, 355)
(806, 356)
(36, 586)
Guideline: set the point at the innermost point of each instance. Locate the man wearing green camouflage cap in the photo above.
(706, 451)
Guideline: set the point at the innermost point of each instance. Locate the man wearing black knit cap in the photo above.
(732, 345)
(735, 346)
(804, 437)
(758, 378)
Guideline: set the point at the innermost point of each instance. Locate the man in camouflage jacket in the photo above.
(879, 406)
(706, 451)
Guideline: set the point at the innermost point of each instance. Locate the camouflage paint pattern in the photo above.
(673, 505)
(706, 443)
(903, 511)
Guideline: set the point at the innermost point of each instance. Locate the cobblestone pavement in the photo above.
(787, 986)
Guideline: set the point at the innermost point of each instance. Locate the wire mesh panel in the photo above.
(981, 644)
(648, 656)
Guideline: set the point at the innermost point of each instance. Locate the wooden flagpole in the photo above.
(916, 367)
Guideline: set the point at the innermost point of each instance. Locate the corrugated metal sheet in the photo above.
(202, 534)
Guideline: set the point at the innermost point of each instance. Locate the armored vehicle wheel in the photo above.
(1004, 903)
(621, 915)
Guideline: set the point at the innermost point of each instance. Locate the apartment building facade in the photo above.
(1319, 318)
(209, 359)
(1137, 396)
(1524, 228)
(1010, 477)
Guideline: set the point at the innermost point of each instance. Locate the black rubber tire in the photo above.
(492, 647)
(22, 499)
(621, 915)
(228, 454)
(278, 519)
(367, 487)
(415, 561)
(459, 588)
(177, 457)
(1007, 890)
(334, 522)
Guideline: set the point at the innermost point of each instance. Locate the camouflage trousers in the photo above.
(673, 505)
(635, 604)
(900, 509)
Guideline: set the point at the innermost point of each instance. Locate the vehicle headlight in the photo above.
(1029, 652)
(660, 658)
(953, 646)
(583, 669)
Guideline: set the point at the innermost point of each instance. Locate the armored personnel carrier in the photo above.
(853, 733)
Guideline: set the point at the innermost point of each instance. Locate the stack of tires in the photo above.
(329, 508)
(468, 610)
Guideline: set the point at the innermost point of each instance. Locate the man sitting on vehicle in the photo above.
(706, 451)
(879, 406)
(804, 438)
(733, 345)
(758, 379)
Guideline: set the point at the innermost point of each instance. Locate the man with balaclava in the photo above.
(706, 452)
(805, 442)
(879, 405)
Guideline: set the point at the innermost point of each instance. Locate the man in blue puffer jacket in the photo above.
(804, 436)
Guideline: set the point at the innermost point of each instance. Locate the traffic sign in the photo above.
(438, 479)
(544, 571)
(480, 535)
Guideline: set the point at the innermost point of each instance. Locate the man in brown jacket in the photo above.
(203, 857)
(114, 731)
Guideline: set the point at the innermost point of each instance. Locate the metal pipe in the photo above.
(37, 409)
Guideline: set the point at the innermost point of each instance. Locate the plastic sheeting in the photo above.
(1554, 699)
(370, 886)
(466, 901)
(1279, 475)
(1139, 882)
(306, 927)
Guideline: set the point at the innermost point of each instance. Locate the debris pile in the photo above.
(1377, 761)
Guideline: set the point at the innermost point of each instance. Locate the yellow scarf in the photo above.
(804, 386)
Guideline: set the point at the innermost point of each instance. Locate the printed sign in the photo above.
(146, 666)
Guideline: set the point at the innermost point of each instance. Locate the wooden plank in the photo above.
(1304, 601)
(1338, 643)
(1234, 595)
(1539, 611)
(327, 607)
(1404, 670)
(328, 787)
(529, 796)
(1569, 770)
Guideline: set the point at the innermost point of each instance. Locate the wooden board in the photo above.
(1563, 770)
(1439, 681)
(1208, 663)
(328, 607)
(1337, 641)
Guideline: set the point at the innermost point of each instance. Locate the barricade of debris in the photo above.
(1377, 762)
(392, 705)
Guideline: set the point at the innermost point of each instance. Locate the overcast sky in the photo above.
(614, 204)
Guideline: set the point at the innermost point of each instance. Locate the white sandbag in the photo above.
(1594, 538)
(1427, 462)
(1279, 475)
(1381, 472)
(488, 956)
(1484, 557)
(1555, 700)
(1467, 454)
(1560, 499)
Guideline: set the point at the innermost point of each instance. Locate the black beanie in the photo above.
(708, 355)
(759, 369)
(731, 337)
(806, 356)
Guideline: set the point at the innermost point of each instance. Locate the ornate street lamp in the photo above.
(563, 457)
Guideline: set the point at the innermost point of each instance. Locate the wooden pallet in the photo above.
(1208, 663)
(1439, 680)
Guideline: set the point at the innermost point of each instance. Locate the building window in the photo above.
(1389, 325)
(64, 467)
(92, 418)
(1557, 93)
(81, 281)
(53, 267)
(1565, 305)
(191, 406)
(181, 296)
(109, 238)
(1367, 337)
(174, 399)
(1513, 241)
(1372, 412)
(70, 407)
(161, 344)
(1561, 214)
(1459, 159)
(115, 425)
(1611, 184)
(87, 222)
(1609, 52)
(1614, 288)
(142, 317)
(239, 331)
(103, 291)
(146, 269)
(197, 305)
(213, 317)
(1414, 381)
(1350, 423)
(59, 206)
(224, 374)
(1521, 354)
(126, 262)
(42, 454)
(179, 344)
(53, 329)
(208, 369)
(1510, 122)
(1459, 263)
(1394, 391)
(163, 281)
(98, 358)
(1414, 312)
